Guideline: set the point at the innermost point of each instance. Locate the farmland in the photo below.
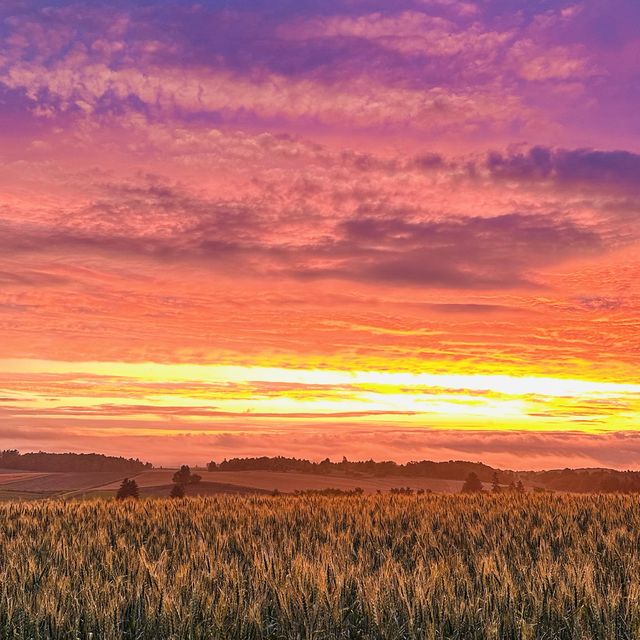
(290, 482)
(157, 482)
(372, 566)
(43, 485)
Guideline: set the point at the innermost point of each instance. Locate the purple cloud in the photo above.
(585, 168)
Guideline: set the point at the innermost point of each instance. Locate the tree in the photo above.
(472, 484)
(128, 489)
(183, 475)
(177, 491)
(181, 479)
(520, 487)
(212, 466)
(495, 483)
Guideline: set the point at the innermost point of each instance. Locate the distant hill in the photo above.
(571, 480)
(586, 480)
(452, 470)
(69, 462)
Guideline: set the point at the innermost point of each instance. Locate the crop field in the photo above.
(8, 477)
(158, 482)
(290, 482)
(63, 482)
(316, 567)
(203, 488)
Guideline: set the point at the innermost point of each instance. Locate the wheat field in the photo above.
(314, 567)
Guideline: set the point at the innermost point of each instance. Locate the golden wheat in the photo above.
(313, 567)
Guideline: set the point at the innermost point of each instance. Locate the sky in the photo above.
(392, 230)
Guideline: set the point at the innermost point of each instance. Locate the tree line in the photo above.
(69, 462)
(571, 480)
(451, 470)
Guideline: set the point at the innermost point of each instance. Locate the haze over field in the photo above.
(398, 230)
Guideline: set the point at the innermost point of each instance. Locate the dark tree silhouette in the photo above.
(472, 484)
(451, 470)
(177, 491)
(182, 478)
(128, 489)
(183, 475)
(495, 483)
(520, 487)
(69, 462)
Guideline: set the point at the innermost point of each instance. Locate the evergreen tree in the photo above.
(128, 489)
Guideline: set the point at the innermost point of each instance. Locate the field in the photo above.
(290, 482)
(8, 477)
(158, 482)
(312, 567)
(43, 485)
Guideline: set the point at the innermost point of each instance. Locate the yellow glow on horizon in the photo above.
(144, 392)
(160, 372)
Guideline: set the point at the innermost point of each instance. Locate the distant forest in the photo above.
(452, 470)
(69, 462)
(573, 480)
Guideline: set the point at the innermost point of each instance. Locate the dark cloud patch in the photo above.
(600, 303)
(150, 221)
(473, 253)
(587, 168)
(506, 449)
(429, 161)
(614, 449)
(160, 222)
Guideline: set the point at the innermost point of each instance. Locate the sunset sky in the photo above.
(400, 229)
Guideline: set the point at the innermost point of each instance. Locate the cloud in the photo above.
(474, 253)
(165, 223)
(408, 32)
(339, 69)
(589, 169)
(26, 278)
(203, 183)
(600, 303)
(509, 449)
